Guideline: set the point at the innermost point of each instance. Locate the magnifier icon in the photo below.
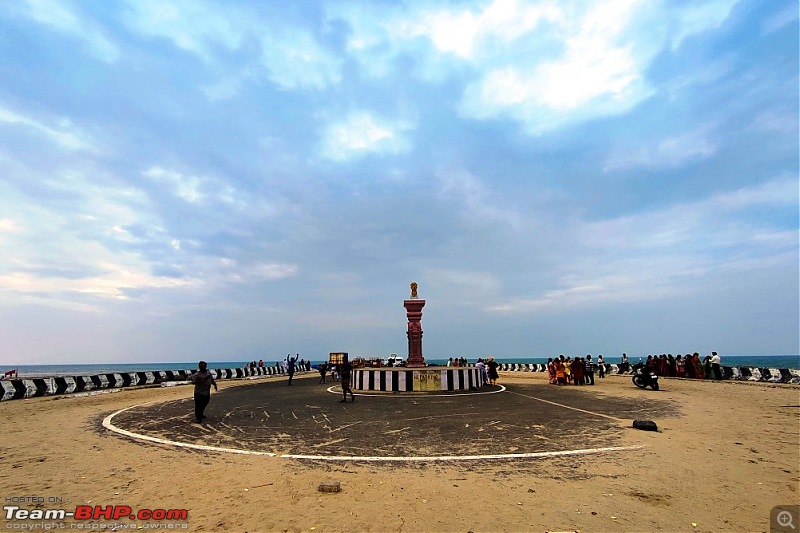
(784, 519)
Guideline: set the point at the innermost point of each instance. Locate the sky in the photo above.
(231, 180)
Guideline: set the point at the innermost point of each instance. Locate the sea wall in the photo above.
(737, 373)
(16, 389)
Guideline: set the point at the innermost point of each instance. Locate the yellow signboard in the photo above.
(337, 358)
(427, 380)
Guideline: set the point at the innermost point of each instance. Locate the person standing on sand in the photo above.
(715, 368)
(698, 366)
(345, 371)
(561, 377)
(577, 371)
(481, 366)
(291, 364)
(589, 370)
(491, 364)
(202, 379)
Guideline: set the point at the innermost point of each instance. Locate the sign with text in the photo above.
(337, 358)
(427, 380)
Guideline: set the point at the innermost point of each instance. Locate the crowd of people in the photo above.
(688, 366)
(301, 364)
(580, 371)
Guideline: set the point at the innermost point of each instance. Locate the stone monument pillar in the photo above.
(414, 314)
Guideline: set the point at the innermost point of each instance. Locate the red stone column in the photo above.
(414, 314)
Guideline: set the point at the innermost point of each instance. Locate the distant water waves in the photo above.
(30, 371)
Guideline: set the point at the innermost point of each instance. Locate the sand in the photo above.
(725, 455)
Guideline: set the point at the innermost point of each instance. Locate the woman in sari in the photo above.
(551, 371)
(577, 371)
(561, 377)
(672, 369)
(679, 369)
(698, 366)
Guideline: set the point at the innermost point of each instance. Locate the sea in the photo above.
(38, 371)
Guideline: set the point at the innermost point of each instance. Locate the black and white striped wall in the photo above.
(396, 380)
(738, 373)
(15, 389)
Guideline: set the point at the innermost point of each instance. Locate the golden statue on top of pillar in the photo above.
(414, 290)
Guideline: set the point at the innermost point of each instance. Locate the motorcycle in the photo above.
(643, 378)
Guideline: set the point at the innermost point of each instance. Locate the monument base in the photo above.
(427, 379)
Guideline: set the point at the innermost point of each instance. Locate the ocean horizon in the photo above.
(88, 369)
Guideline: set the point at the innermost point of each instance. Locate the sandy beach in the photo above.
(725, 454)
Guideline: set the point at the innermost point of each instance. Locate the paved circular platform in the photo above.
(307, 420)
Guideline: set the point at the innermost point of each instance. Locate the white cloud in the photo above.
(781, 18)
(294, 60)
(778, 192)
(111, 281)
(773, 120)
(362, 133)
(9, 225)
(599, 72)
(59, 17)
(230, 270)
(184, 187)
(667, 253)
(699, 17)
(196, 26)
(223, 89)
(667, 153)
(473, 199)
(194, 189)
(461, 284)
(65, 135)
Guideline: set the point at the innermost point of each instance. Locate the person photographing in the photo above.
(203, 380)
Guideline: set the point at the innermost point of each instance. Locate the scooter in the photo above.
(642, 378)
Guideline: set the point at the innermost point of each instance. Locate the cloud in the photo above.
(193, 189)
(58, 16)
(463, 286)
(195, 26)
(465, 32)
(669, 152)
(781, 121)
(596, 73)
(361, 133)
(294, 60)
(599, 70)
(666, 253)
(468, 195)
(700, 17)
(230, 270)
(64, 135)
(780, 18)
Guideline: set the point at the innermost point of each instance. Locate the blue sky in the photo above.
(238, 180)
